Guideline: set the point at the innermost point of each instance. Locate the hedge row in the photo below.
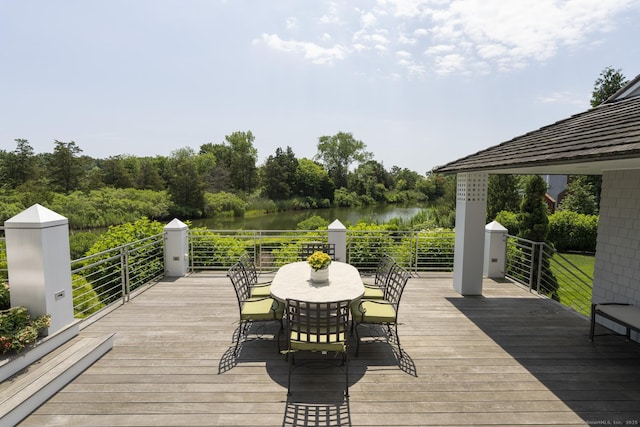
(568, 231)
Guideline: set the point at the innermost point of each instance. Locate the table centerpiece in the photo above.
(319, 263)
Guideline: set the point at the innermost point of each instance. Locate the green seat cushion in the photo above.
(372, 312)
(312, 342)
(372, 292)
(260, 291)
(262, 309)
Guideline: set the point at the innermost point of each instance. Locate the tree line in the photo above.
(225, 179)
(220, 178)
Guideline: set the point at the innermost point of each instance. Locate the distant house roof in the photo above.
(602, 138)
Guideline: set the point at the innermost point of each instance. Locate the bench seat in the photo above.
(625, 315)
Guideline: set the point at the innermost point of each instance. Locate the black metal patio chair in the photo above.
(253, 309)
(256, 288)
(318, 327)
(382, 311)
(308, 248)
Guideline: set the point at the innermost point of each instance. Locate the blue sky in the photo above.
(420, 82)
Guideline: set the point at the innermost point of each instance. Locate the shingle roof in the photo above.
(605, 137)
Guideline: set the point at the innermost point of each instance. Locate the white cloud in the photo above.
(368, 19)
(411, 67)
(420, 32)
(515, 33)
(407, 8)
(492, 50)
(456, 35)
(447, 64)
(561, 98)
(326, 37)
(332, 16)
(311, 51)
(292, 23)
(440, 49)
(403, 39)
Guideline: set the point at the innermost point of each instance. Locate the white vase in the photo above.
(320, 276)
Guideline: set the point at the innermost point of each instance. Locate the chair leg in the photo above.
(241, 334)
(290, 359)
(346, 361)
(278, 337)
(357, 339)
(398, 339)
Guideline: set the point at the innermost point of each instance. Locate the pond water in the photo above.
(288, 220)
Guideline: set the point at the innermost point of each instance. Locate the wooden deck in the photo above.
(506, 358)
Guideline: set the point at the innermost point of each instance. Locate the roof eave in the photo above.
(574, 166)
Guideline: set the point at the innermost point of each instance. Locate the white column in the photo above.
(176, 249)
(338, 236)
(471, 206)
(39, 262)
(495, 250)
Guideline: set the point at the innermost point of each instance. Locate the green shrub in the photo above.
(220, 203)
(81, 242)
(110, 206)
(215, 250)
(5, 299)
(146, 263)
(3, 261)
(367, 251)
(85, 298)
(9, 209)
(509, 220)
(342, 197)
(571, 231)
(314, 222)
(445, 217)
(435, 248)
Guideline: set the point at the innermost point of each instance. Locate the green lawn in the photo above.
(583, 262)
(572, 294)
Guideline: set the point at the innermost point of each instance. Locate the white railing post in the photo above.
(495, 250)
(338, 236)
(39, 264)
(176, 249)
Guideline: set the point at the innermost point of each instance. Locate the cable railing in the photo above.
(417, 251)
(270, 249)
(111, 276)
(547, 272)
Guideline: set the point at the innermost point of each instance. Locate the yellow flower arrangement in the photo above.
(319, 260)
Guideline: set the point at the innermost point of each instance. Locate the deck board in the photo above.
(505, 358)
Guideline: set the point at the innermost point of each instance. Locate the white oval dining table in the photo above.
(293, 281)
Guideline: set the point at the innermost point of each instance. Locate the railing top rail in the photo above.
(522, 239)
(118, 248)
(216, 230)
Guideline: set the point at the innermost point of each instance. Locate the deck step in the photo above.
(30, 389)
